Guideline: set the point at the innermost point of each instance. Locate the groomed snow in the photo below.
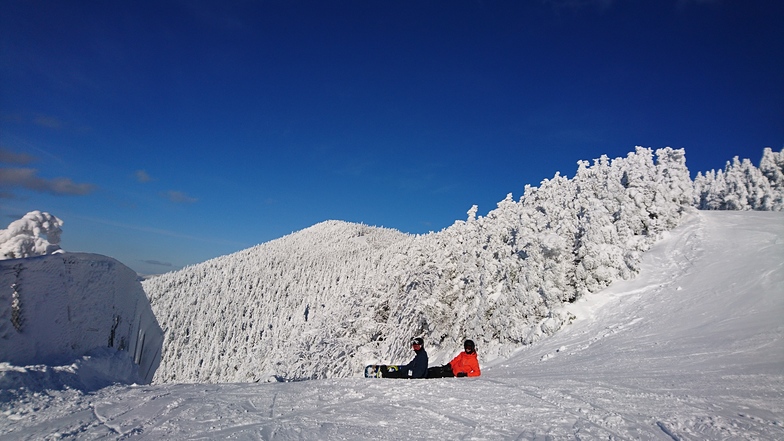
(692, 348)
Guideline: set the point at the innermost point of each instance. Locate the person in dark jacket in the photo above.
(464, 365)
(416, 368)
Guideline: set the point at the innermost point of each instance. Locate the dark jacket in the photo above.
(416, 368)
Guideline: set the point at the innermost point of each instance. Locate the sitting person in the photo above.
(416, 368)
(465, 364)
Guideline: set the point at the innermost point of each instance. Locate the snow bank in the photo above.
(64, 307)
(102, 367)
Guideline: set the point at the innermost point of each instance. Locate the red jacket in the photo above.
(465, 363)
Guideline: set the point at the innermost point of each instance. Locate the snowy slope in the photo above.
(692, 348)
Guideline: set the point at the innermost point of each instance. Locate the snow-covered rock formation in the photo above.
(56, 309)
(35, 234)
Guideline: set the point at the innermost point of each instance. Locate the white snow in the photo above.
(692, 348)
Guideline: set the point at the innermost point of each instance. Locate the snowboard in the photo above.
(374, 370)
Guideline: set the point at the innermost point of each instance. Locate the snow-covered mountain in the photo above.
(690, 349)
(325, 301)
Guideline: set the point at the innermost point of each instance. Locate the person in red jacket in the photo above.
(464, 365)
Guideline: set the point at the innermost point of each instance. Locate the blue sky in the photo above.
(167, 133)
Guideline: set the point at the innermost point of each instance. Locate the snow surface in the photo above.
(692, 348)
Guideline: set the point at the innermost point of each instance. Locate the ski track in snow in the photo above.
(691, 349)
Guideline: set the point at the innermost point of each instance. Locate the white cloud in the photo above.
(9, 157)
(143, 177)
(27, 178)
(179, 197)
(157, 263)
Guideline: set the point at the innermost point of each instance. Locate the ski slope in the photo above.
(693, 348)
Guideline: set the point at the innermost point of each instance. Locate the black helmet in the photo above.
(469, 344)
(417, 341)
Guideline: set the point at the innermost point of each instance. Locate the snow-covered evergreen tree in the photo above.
(772, 166)
(742, 186)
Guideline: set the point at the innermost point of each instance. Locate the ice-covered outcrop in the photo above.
(58, 308)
